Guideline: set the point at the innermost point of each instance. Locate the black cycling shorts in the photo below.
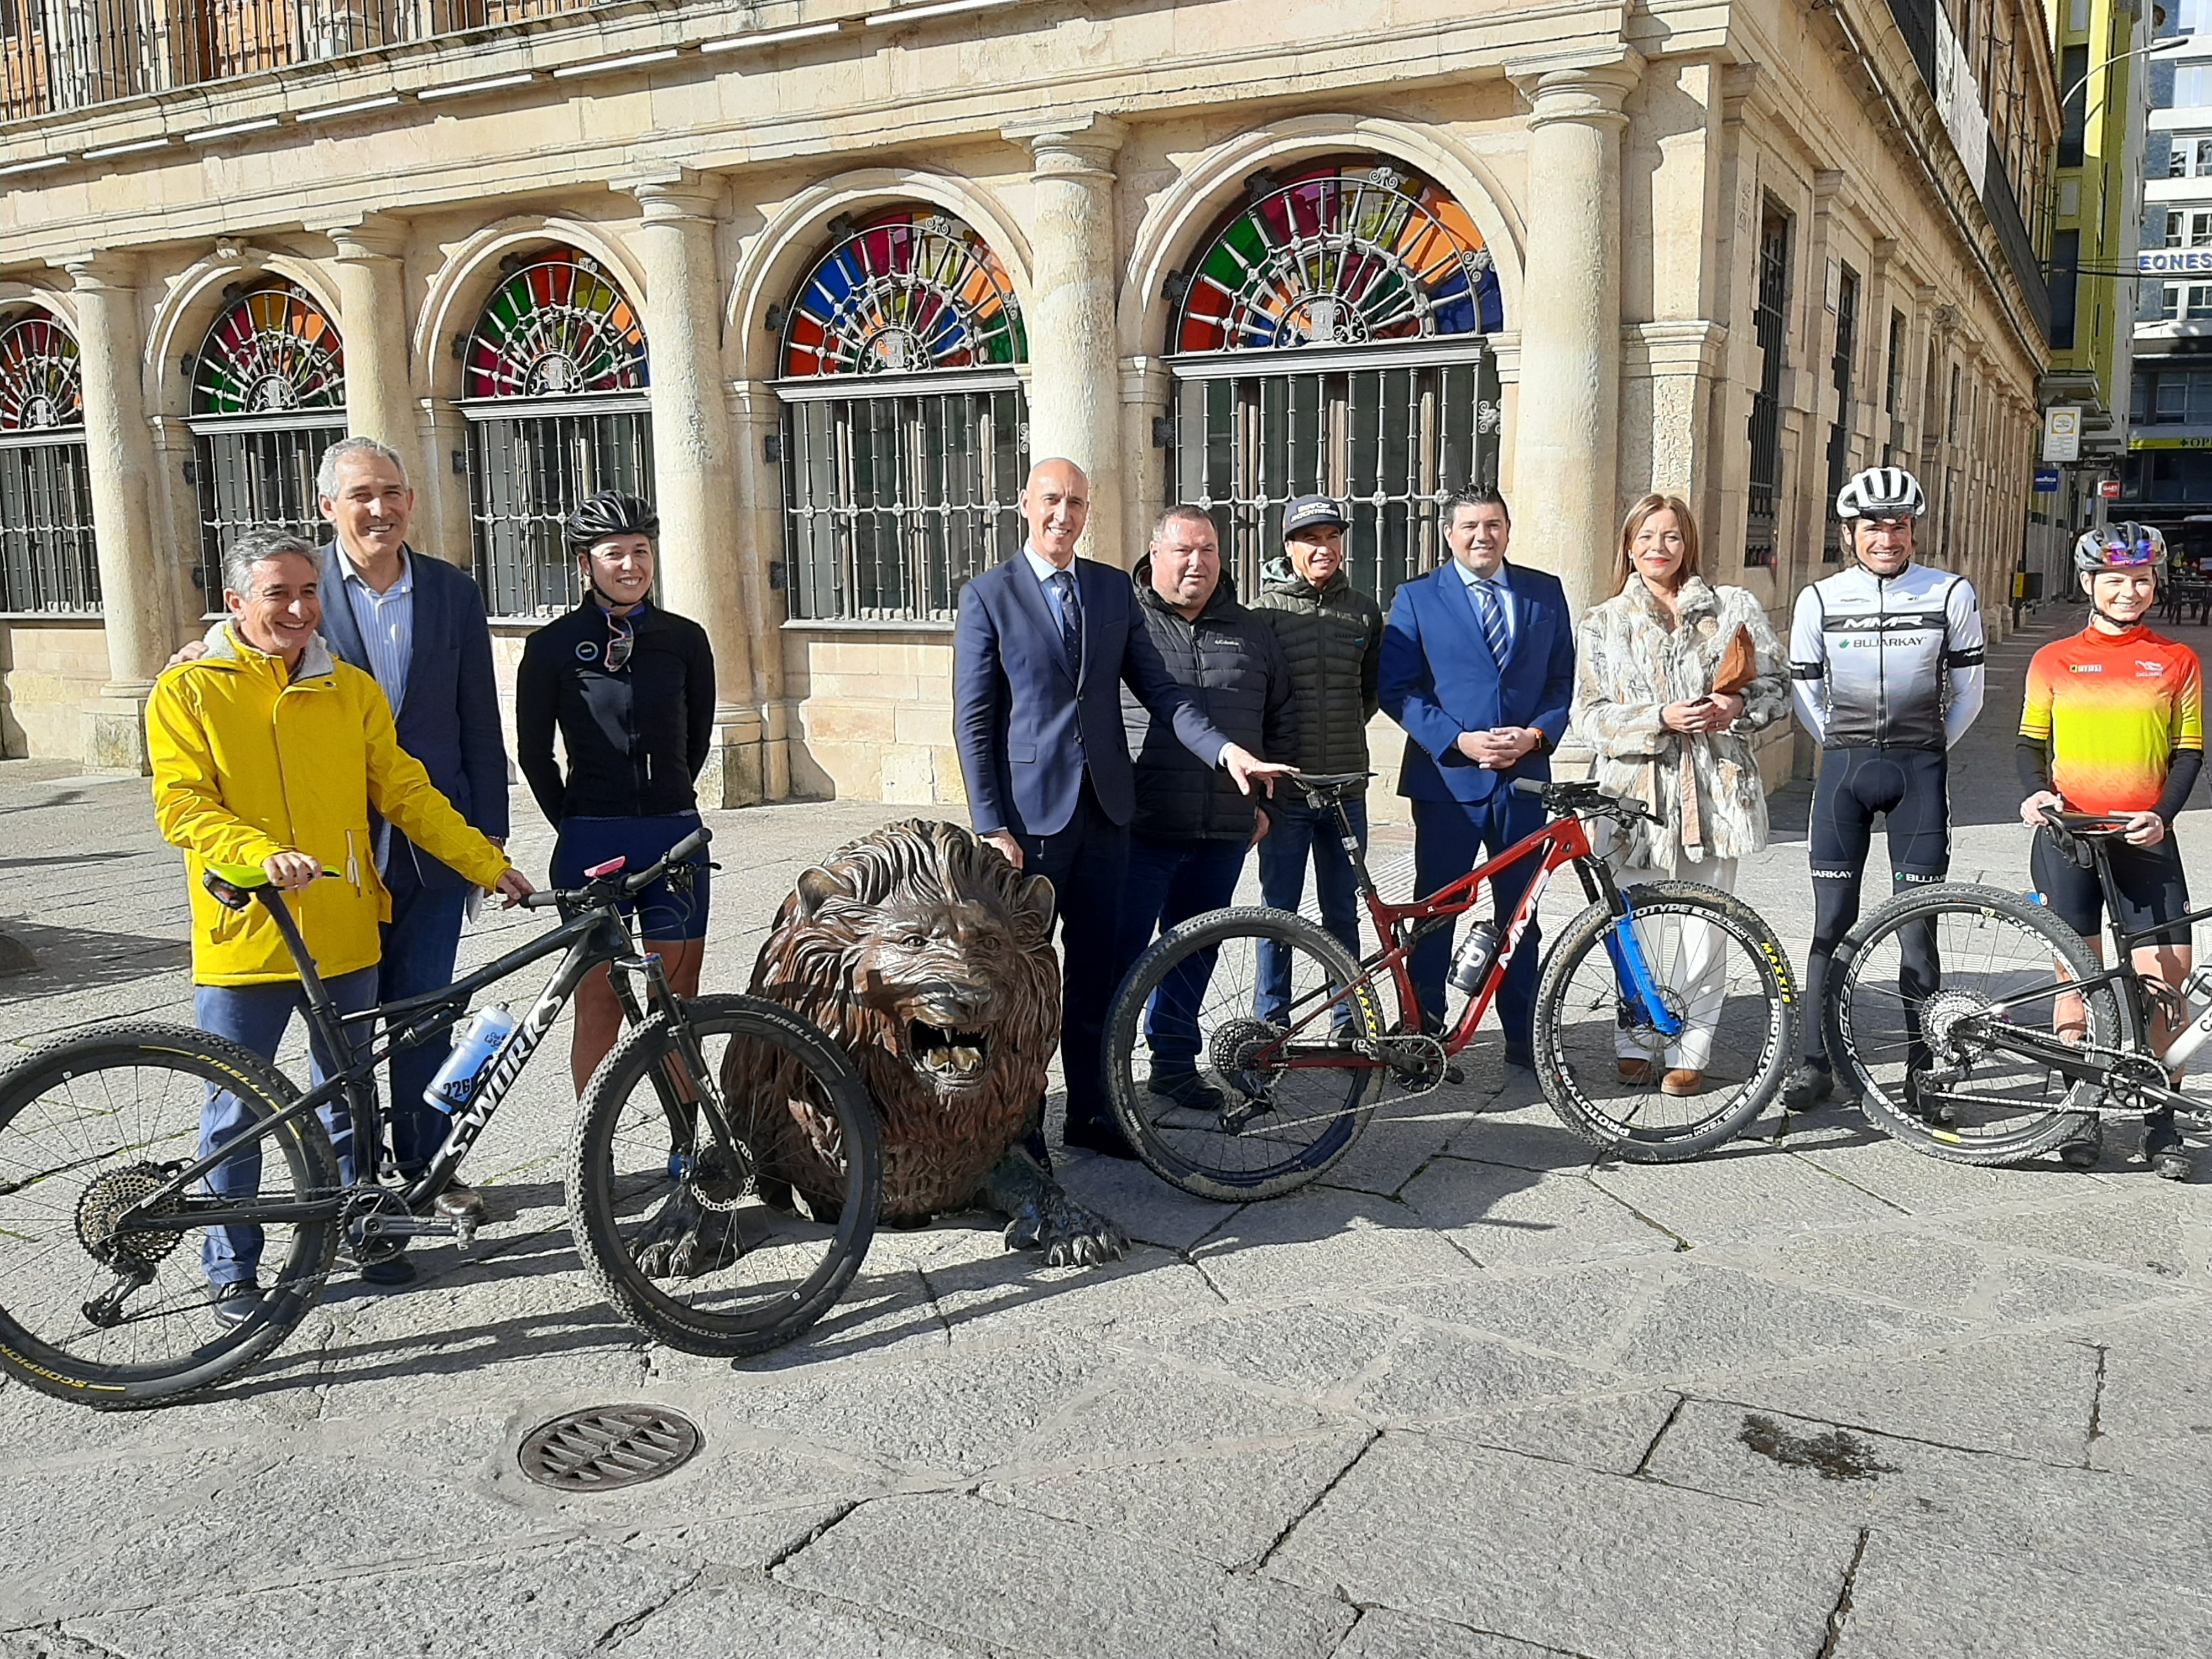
(2152, 886)
(1907, 788)
(663, 912)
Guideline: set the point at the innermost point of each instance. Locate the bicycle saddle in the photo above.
(1318, 786)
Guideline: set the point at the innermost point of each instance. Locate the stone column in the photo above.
(1075, 393)
(755, 417)
(136, 600)
(694, 484)
(1567, 448)
(373, 318)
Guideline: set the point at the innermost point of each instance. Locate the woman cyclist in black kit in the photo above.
(632, 690)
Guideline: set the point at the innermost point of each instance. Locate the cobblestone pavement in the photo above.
(1473, 1395)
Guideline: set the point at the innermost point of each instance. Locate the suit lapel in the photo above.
(1028, 595)
(1091, 579)
(418, 640)
(1456, 603)
(1523, 616)
(338, 628)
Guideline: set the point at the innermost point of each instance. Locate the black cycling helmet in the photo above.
(610, 513)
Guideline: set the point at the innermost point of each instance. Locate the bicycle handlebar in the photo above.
(623, 884)
(1579, 796)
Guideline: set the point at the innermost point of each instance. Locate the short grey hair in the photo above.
(1185, 513)
(258, 547)
(326, 473)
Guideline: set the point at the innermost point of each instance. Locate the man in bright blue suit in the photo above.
(1479, 668)
(1043, 646)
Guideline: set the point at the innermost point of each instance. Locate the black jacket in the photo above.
(636, 739)
(1230, 661)
(1332, 639)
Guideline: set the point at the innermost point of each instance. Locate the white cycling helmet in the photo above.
(1882, 492)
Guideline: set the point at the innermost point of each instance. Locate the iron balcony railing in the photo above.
(59, 55)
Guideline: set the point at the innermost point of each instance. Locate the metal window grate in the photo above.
(1392, 442)
(526, 473)
(255, 479)
(1767, 317)
(892, 504)
(609, 1447)
(47, 554)
(1839, 431)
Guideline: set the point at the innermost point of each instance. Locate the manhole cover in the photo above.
(607, 1446)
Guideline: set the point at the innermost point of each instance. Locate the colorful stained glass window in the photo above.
(273, 351)
(39, 386)
(911, 289)
(556, 328)
(1342, 253)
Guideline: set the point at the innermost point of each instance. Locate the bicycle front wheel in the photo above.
(89, 1128)
(716, 1249)
(1229, 1052)
(1659, 1042)
(1925, 999)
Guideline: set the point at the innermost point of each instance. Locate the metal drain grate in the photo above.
(607, 1447)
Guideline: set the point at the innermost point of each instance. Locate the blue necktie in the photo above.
(1070, 617)
(1495, 629)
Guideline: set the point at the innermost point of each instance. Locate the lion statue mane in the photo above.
(929, 957)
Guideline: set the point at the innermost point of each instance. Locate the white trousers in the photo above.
(1698, 970)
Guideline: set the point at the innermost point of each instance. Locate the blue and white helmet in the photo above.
(1882, 492)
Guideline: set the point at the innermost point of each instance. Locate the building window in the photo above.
(2066, 281)
(1768, 322)
(268, 397)
(553, 385)
(2073, 70)
(1893, 378)
(2186, 302)
(1331, 336)
(2175, 397)
(2192, 86)
(906, 435)
(1839, 430)
(47, 561)
(2189, 155)
(2185, 228)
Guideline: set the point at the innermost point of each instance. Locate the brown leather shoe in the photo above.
(1682, 1083)
(1636, 1073)
(459, 1203)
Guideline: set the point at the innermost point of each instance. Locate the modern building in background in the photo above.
(2103, 49)
(2168, 476)
(822, 276)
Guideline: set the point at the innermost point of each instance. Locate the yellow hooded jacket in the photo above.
(248, 763)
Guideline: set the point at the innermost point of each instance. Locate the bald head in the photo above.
(1055, 503)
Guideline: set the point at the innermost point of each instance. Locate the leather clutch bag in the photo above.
(1739, 664)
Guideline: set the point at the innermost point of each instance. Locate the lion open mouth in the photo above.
(950, 1058)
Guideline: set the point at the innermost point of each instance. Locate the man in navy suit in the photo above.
(418, 624)
(1479, 668)
(1044, 644)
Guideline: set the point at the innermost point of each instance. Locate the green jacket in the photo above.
(1333, 638)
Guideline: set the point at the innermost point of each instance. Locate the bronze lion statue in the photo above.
(930, 959)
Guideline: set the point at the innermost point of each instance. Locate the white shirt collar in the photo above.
(1044, 568)
(1471, 578)
(404, 585)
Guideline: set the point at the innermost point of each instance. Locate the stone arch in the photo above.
(1182, 212)
(54, 302)
(195, 298)
(774, 259)
(460, 286)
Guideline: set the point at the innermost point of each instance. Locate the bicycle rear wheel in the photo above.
(1609, 1072)
(747, 1247)
(1913, 1020)
(1245, 1094)
(90, 1125)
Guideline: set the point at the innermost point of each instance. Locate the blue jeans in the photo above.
(420, 943)
(254, 1017)
(1167, 883)
(1301, 836)
(1449, 839)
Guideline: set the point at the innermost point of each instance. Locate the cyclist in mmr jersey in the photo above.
(1886, 661)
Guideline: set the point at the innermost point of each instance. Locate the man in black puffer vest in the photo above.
(1192, 826)
(1331, 636)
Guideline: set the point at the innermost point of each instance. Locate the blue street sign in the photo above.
(2046, 481)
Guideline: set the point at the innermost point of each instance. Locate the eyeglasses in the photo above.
(622, 640)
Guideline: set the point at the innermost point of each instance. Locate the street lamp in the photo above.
(2166, 45)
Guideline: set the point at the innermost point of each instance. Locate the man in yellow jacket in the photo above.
(268, 751)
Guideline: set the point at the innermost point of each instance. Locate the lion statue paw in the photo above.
(684, 1238)
(1043, 1216)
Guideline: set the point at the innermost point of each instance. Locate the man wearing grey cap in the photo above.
(1332, 635)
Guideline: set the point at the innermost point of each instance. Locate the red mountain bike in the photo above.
(1666, 1017)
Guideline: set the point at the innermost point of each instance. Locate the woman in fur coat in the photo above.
(1672, 679)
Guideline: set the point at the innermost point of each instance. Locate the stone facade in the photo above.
(1623, 166)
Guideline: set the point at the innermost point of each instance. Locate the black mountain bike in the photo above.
(1976, 1026)
(107, 1184)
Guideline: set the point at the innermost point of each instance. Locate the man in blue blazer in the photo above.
(1479, 668)
(417, 624)
(1043, 646)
